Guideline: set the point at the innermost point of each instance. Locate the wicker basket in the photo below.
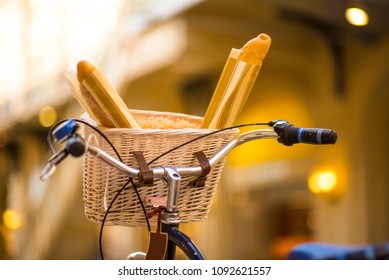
(101, 182)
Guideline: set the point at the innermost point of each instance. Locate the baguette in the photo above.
(235, 83)
(87, 101)
(255, 50)
(101, 96)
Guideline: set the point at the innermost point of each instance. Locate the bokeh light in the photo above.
(357, 16)
(11, 219)
(322, 182)
(47, 116)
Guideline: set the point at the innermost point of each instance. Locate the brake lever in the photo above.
(52, 164)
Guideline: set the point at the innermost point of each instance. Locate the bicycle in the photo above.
(66, 132)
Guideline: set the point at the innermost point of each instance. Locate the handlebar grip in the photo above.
(288, 134)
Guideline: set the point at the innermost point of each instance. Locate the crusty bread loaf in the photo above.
(103, 97)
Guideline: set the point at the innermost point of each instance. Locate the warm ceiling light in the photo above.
(322, 182)
(357, 16)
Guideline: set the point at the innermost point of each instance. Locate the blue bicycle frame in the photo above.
(179, 239)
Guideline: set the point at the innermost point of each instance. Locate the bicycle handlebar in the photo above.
(285, 133)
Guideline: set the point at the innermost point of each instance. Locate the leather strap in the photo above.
(146, 176)
(199, 182)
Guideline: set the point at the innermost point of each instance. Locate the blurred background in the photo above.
(322, 70)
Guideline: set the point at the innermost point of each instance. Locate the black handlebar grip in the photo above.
(289, 134)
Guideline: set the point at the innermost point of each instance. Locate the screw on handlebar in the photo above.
(75, 146)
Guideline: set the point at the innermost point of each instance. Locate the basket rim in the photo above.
(176, 114)
(85, 116)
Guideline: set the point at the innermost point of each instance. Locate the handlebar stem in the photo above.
(173, 178)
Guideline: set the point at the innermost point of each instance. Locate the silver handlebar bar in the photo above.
(159, 172)
(285, 133)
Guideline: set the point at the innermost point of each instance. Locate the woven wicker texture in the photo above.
(101, 182)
